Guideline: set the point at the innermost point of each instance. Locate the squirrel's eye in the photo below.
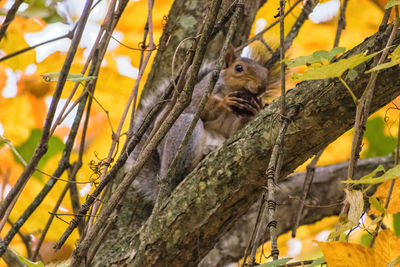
(238, 68)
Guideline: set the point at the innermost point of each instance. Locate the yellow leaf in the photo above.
(387, 246)
(16, 118)
(318, 71)
(342, 254)
(382, 192)
(387, 249)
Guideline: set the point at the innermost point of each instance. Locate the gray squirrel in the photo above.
(235, 100)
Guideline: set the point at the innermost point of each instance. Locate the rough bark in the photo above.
(228, 181)
(326, 190)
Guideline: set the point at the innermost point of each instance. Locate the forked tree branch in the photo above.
(224, 185)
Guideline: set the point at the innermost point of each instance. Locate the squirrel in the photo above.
(235, 100)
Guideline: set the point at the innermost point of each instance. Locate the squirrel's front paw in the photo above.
(243, 103)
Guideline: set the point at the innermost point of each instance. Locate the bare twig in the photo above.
(259, 35)
(341, 23)
(275, 162)
(132, 96)
(49, 221)
(386, 17)
(362, 112)
(42, 146)
(225, 18)
(110, 224)
(294, 31)
(63, 164)
(306, 188)
(131, 144)
(68, 35)
(396, 161)
(9, 17)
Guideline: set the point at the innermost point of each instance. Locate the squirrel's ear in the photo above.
(230, 56)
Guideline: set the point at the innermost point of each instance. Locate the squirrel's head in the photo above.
(244, 73)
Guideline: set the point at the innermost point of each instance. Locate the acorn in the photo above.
(250, 103)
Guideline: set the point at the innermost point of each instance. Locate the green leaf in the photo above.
(352, 75)
(366, 239)
(53, 77)
(391, 174)
(367, 177)
(27, 262)
(379, 144)
(27, 149)
(391, 3)
(316, 57)
(394, 60)
(317, 71)
(39, 8)
(275, 262)
(342, 228)
(377, 204)
(317, 262)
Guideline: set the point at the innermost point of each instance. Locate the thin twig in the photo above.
(50, 220)
(294, 31)
(389, 195)
(275, 162)
(110, 224)
(225, 18)
(42, 146)
(385, 18)
(9, 17)
(117, 134)
(362, 112)
(143, 48)
(341, 23)
(68, 35)
(253, 233)
(306, 189)
(62, 166)
(131, 144)
(259, 35)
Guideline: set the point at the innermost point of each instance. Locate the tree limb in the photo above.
(227, 182)
(326, 190)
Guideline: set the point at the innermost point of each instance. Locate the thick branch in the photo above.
(225, 185)
(326, 190)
